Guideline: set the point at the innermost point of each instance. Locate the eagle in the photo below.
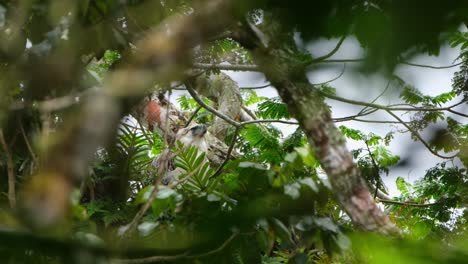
(193, 136)
(189, 136)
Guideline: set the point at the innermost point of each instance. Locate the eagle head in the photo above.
(193, 136)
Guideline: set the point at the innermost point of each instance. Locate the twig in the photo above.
(353, 117)
(228, 155)
(343, 60)
(388, 108)
(366, 121)
(256, 87)
(430, 66)
(416, 134)
(374, 163)
(28, 145)
(209, 108)
(326, 56)
(249, 112)
(180, 256)
(457, 113)
(226, 67)
(193, 116)
(269, 121)
(334, 79)
(377, 98)
(401, 62)
(216, 250)
(406, 203)
(10, 171)
(323, 59)
(151, 259)
(131, 226)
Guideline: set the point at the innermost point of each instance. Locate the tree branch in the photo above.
(334, 79)
(416, 134)
(256, 87)
(331, 53)
(226, 67)
(228, 156)
(178, 257)
(406, 203)
(401, 62)
(193, 116)
(10, 171)
(388, 108)
(28, 145)
(209, 108)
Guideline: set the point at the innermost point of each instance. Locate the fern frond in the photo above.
(134, 146)
(191, 160)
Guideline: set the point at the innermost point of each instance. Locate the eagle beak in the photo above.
(198, 131)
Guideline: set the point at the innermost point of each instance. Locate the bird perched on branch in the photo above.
(190, 136)
(193, 136)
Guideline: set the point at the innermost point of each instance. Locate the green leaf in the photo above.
(443, 98)
(143, 195)
(352, 133)
(252, 97)
(384, 157)
(190, 161)
(373, 140)
(273, 108)
(307, 156)
(327, 89)
(326, 223)
(281, 230)
(411, 95)
(403, 186)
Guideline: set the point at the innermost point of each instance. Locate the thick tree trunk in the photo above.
(281, 63)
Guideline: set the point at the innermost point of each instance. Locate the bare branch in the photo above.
(180, 256)
(401, 62)
(457, 113)
(331, 53)
(216, 250)
(270, 121)
(193, 116)
(406, 203)
(388, 108)
(226, 67)
(28, 145)
(367, 121)
(416, 134)
(249, 112)
(256, 87)
(430, 66)
(151, 259)
(334, 79)
(228, 156)
(209, 108)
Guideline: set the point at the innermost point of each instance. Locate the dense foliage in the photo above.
(271, 202)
